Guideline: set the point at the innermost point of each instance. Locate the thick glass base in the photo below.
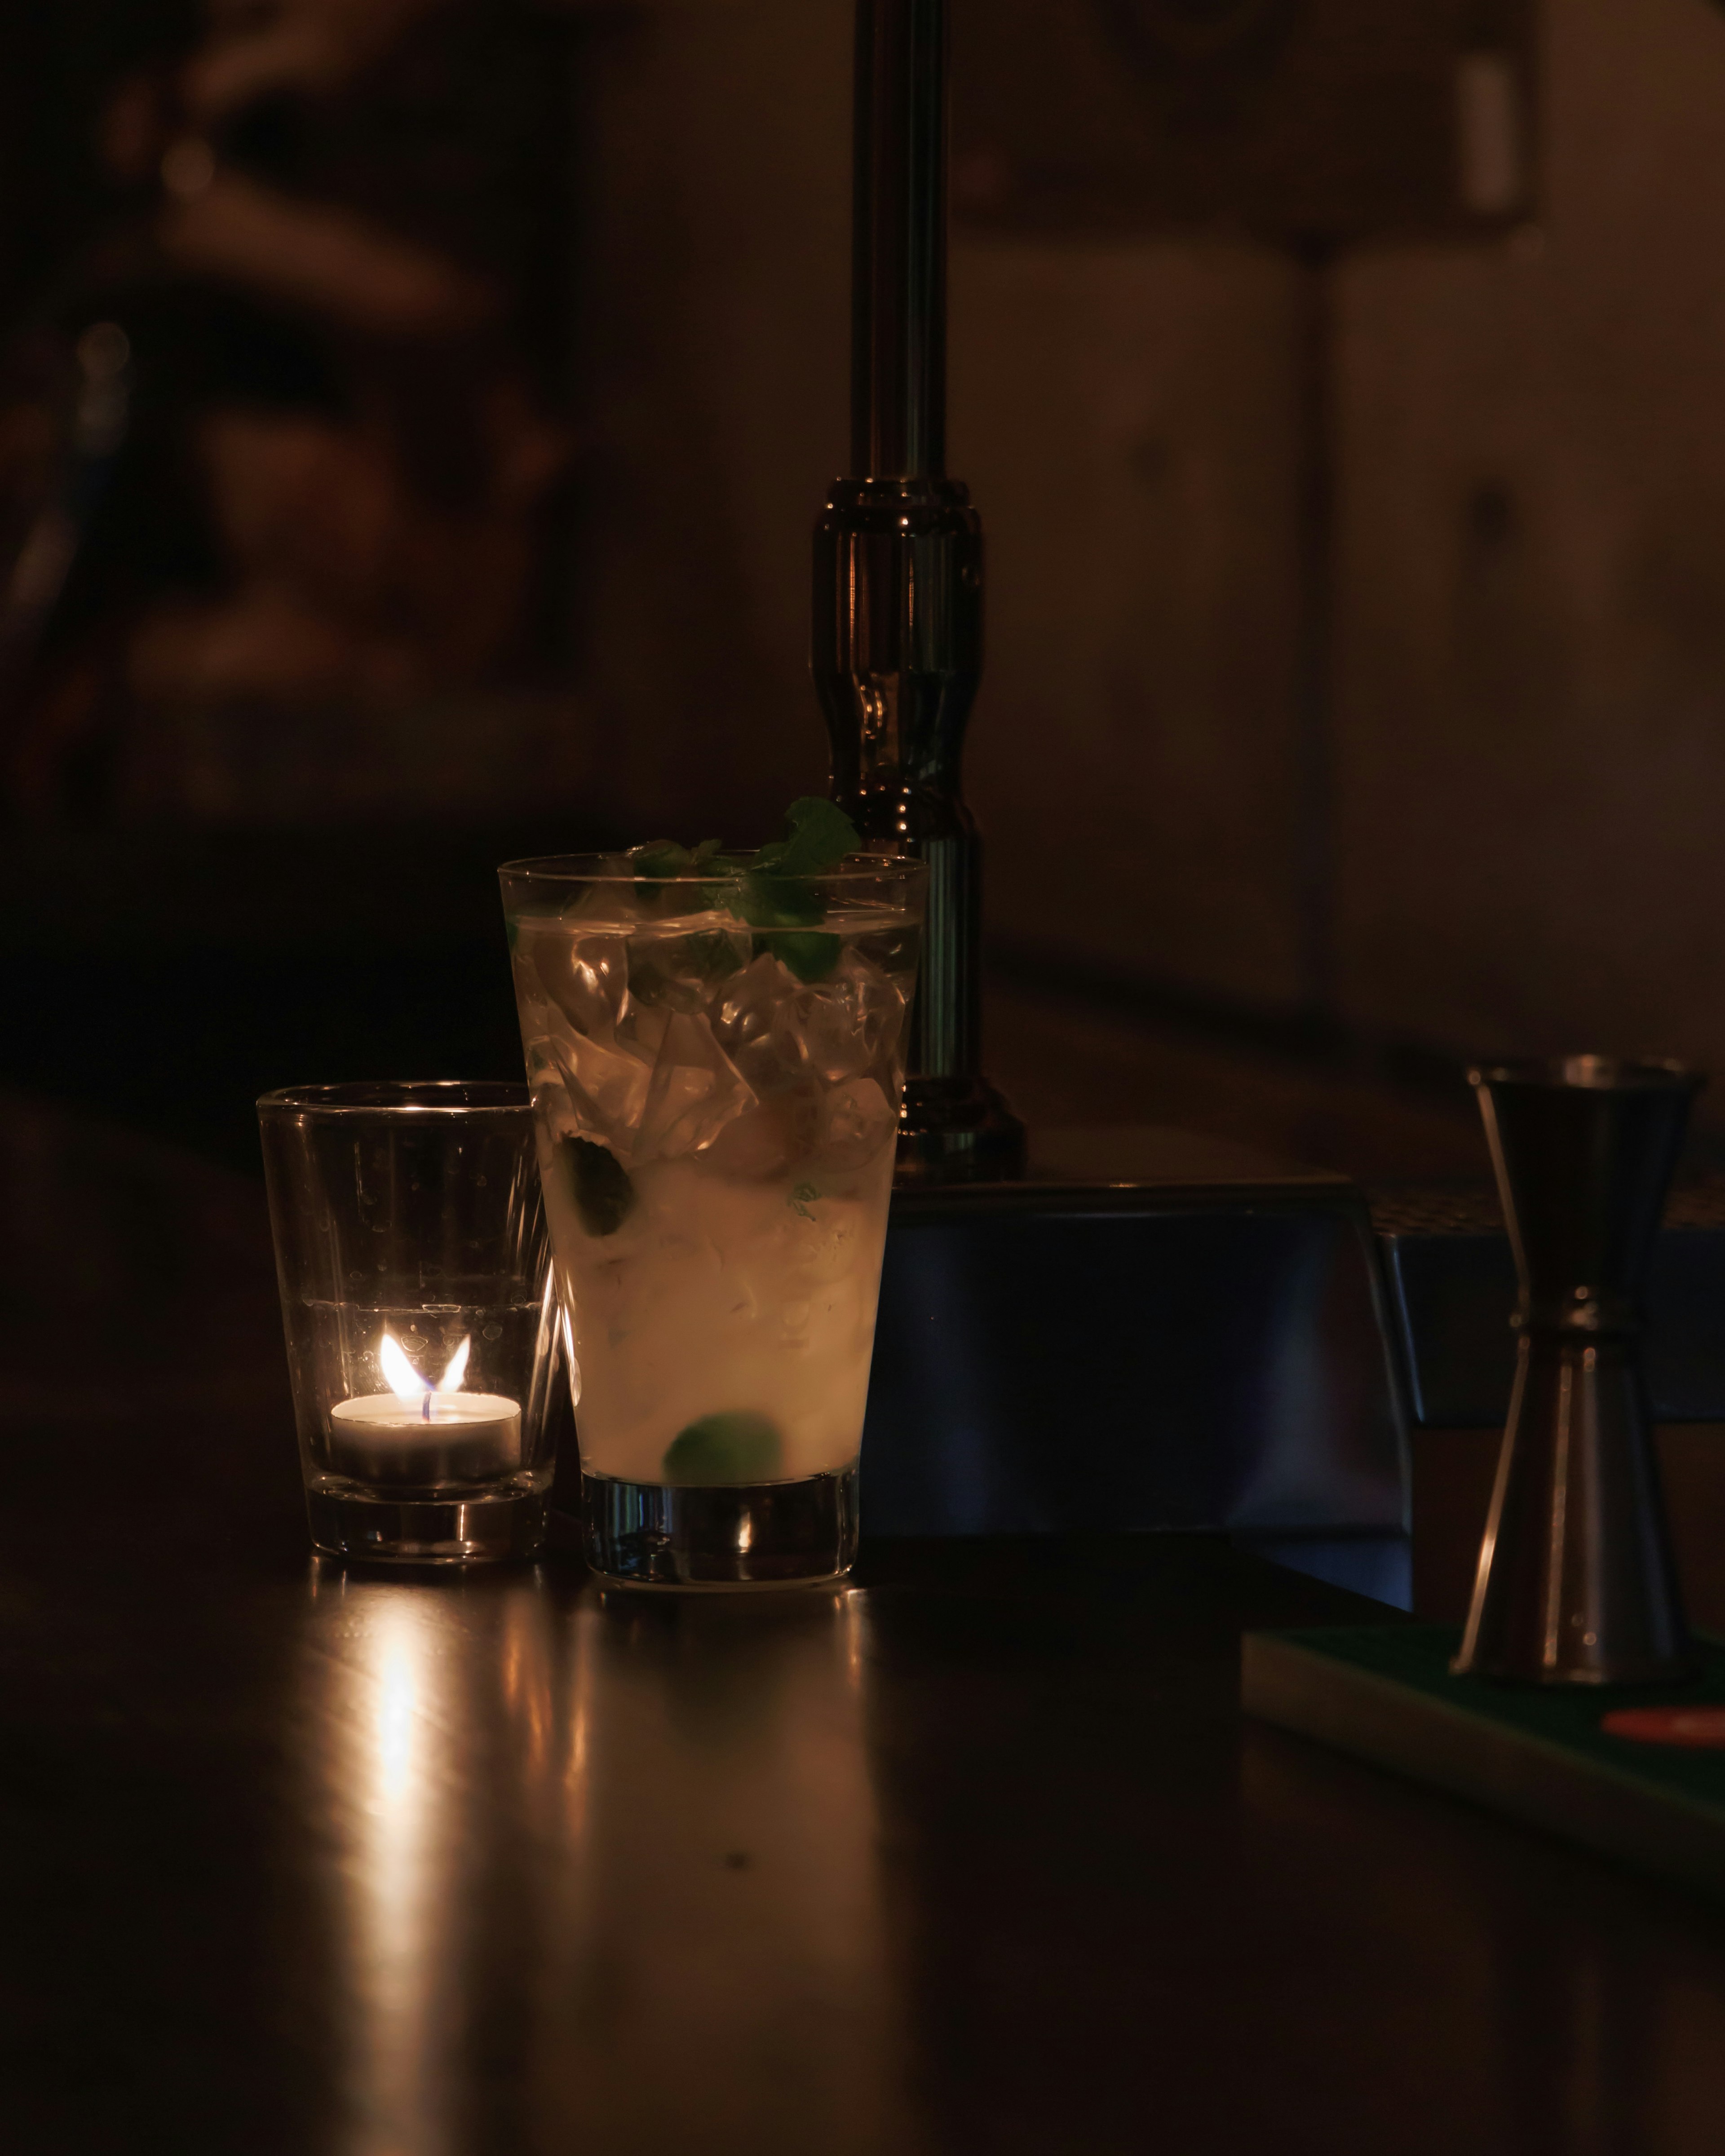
(460, 1527)
(734, 1534)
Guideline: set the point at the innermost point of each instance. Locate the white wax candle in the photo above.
(443, 1437)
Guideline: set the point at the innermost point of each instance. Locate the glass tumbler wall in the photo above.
(420, 1308)
(717, 1064)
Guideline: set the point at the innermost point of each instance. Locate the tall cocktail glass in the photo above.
(717, 1106)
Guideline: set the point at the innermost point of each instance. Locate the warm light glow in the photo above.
(398, 1706)
(404, 1380)
(394, 1776)
(450, 1381)
(394, 1723)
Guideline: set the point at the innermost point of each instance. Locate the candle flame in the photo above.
(404, 1380)
(450, 1381)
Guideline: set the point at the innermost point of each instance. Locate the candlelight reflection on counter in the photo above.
(556, 1817)
(434, 1935)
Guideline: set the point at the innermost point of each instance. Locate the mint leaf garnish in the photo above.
(778, 892)
(736, 1446)
(773, 890)
(817, 836)
(661, 859)
(778, 901)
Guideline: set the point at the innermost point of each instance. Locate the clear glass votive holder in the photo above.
(421, 1314)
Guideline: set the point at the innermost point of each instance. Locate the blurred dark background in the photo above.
(413, 413)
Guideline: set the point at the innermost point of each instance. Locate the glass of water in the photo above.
(422, 1324)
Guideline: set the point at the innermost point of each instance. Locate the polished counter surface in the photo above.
(975, 1854)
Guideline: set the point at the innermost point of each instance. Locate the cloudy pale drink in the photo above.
(717, 1107)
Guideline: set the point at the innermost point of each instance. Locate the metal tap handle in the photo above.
(898, 264)
(897, 648)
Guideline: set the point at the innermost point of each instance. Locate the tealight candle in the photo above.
(467, 1437)
(423, 1435)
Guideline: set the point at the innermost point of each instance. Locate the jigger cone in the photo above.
(1575, 1583)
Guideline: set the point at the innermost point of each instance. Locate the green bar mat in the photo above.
(1385, 1693)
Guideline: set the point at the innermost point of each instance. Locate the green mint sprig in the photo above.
(817, 836)
(780, 902)
(661, 859)
(775, 889)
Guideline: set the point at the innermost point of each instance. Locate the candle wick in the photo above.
(426, 1411)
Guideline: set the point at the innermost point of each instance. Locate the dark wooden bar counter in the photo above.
(976, 1855)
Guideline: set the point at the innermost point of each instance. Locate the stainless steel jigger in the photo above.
(1576, 1583)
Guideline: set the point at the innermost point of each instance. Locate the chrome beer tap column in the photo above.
(898, 587)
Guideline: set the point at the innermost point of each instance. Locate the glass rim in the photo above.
(1590, 1073)
(602, 869)
(402, 1097)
